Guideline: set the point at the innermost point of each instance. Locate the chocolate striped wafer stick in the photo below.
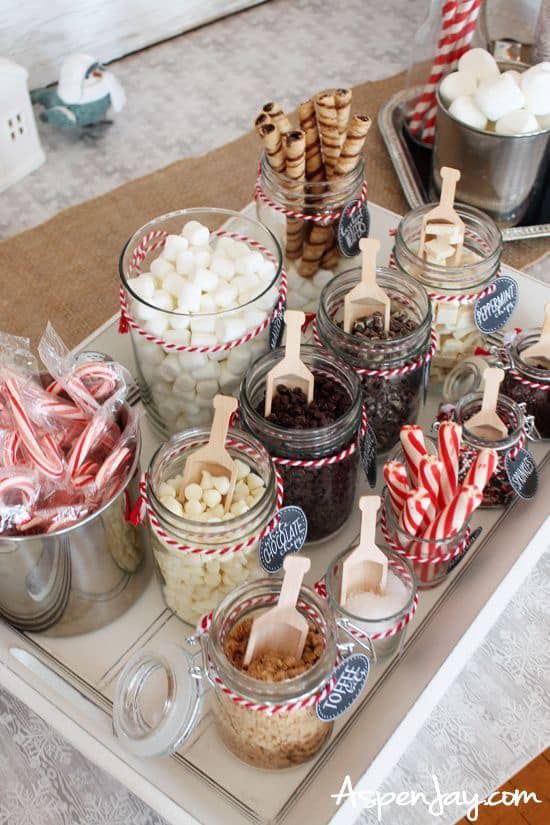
(331, 255)
(275, 112)
(315, 169)
(271, 138)
(353, 145)
(314, 248)
(327, 122)
(295, 159)
(261, 120)
(342, 99)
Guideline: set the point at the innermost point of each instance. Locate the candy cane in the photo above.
(448, 444)
(19, 484)
(395, 475)
(482, 469)
(412, 441)
(51, 464)
(415, 512)
(430, 470)
(88, 439)
(454, 516)
(111, 466)
(103, 382)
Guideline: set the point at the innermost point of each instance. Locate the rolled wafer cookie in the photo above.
(315, 169)
(342, 99)
(261, 120)
(313, 250)
(327, 122)
(353, 145)
(295, 155)
(271, 138)
(331, 255)
(275, 112)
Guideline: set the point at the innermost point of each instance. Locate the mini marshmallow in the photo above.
(239, 248)
(202, 258)
(202, 323)
(253, 318)
(535, 84)
(196, 233)
(183, 384)
(170, 368)
(193, 360)
(143, 286)
(206, 279)
(223, 267)
(225, 296)
(238, 360)
(498, 97)
(162, 300)
(519, 122)
(190, 298)
(179, 321)
(185, 262)
(229, 382)
(229, 329)
(173, 284)
(466, 110)
(207, 389)
(225, 246)
(479, 63)
(203, 339)
(210, 370)
(181, 337)
(457, 84)
(161, 267)
(156, 326)
(173, 245)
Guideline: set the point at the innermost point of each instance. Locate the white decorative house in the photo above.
(20, 149)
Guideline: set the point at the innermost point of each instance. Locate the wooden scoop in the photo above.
(367, 297)
(213, 458)
(444, 214)
(366, 568)
(541, 350)
(290, 372)
(486, 423)
(282, 629)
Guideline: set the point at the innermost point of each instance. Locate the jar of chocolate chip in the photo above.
(528, 382)
(453, 289)
(314, 446)
(393, 365)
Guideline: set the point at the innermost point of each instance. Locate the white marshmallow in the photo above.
(225, 246)
(516, 76)
(203, 257)
(457, 84)
(203, 323)
(247, 285)
(173, 284)
(466, 110)
(238, 360)
(203, 339)
(184, 384)
(267, 300)
(479, 63)
(229, 382)
(210, 370)
(156, 326)
(193, 360)
(177, 336)
(254, 317)
(519, 122)
(267, 270)
(535, 83)
(173, 246)
(161, 267)
(185, 262)
(196, 233)
(228, 329)
(144, 286)
(239, 249)
(498, 97)
(162, 300)
(190, 298)
(206, 279)
(170, 368)
(207, 389)
(225, 296)
(179, 322)
(223, 267)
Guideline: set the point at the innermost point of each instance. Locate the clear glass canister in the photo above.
(196, 579)
(306, 276)
(454, 319)
(391, 401)
(528, 383)
(177, 331)
(498, 491)
(326, 493)
(267, 724)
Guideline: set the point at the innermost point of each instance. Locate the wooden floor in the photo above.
(535, 777)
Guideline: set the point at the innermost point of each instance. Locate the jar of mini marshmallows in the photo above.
(201, 552)
(199, 288)
(453, 289)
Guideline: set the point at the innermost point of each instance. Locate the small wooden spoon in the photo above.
(213, 458)
(444, 213)
(486, 423)
(291, 372)
(366, 568)
(541, 350)
(367, 297)
(282, 629)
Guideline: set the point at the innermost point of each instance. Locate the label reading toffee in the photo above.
(493, 311)
(276, 328)
(522, 474)
(474, 535)
(351, 676)
(367, 450)
(353, 226)
(288, 537)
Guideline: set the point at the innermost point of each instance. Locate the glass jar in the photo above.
(387, 633)
(498, 492)
(527, 384)
(453, 319)
(270, 725)
(325, 493)
(312, 198)
(183, 359)
(391, 400)
(195, 574)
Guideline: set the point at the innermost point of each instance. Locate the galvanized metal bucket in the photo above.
(500, 174)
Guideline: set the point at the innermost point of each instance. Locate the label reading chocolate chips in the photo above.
(351, 676)
(288, 537)
(473, 537)
(367, 450)
(353, 225)
(493, 311)
(522, 474)
(276, 328)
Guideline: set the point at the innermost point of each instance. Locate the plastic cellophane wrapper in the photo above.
(67, 441)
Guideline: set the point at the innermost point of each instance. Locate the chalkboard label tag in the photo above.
(522, 474)
(276, 328)
(474, 535)
(352, 227)
(351, 676)
(493, 311)
(288, 537)
(367, 449)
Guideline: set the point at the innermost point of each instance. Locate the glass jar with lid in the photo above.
(453, 289)
(270, 724)
(393, 370)
(318, 465)
(526, 382)
(199, 562)
(321, 203)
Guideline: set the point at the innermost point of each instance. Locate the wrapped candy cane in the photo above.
(454, 516)
(395, 475)
(448, 443)
(482, 468)
(430, 470)
(48, 461)
(412, 441)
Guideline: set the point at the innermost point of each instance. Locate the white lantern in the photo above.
(20, 149)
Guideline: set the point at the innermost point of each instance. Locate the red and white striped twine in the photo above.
(159, 238)
(535, 385)
(323, 218)
(328, 460)
(413, 557)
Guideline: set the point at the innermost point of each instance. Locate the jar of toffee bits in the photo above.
(392, 366)
(528, 382)
(314, 446)
(265, 713)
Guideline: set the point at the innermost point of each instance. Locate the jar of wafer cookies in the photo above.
(310, 179)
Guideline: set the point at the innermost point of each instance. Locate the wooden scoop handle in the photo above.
(449, 180)
(369, 251)
(369, 506)
(546, 325)
(224, 407)
(492, 378)
(295, 569)
(294, 321)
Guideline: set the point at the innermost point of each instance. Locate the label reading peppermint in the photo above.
(276, 328)
(367, 450)
(351, 676)
(474, 535)
(493, 311)
(352, 226)
(522, 474)
(288, 537)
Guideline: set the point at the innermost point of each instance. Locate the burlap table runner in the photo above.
(65, 270)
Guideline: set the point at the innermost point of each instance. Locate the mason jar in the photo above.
(184, 359)
(318, 466)
(453, 289)
(266, 724)
(275, 194)
(526, 383)
(393, 371)
(198, 563)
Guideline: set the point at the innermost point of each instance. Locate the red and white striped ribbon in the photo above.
(331, 459)
(324, 218)
(535, 385)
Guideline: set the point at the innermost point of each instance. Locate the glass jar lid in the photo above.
(157, 700)
(464, 378)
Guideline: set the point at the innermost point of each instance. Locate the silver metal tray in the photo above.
(390, 121)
